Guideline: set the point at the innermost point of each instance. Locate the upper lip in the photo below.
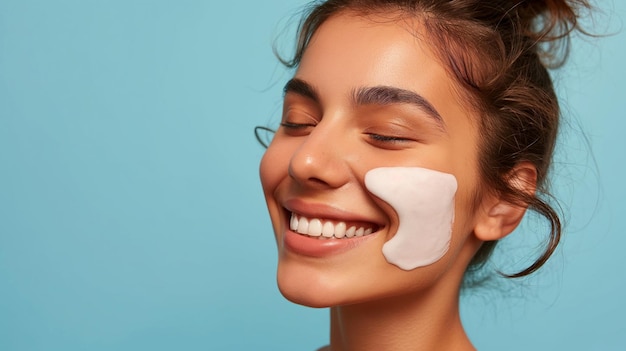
(318, 210)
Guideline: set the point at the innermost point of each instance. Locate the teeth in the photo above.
(328, 230)
(350, 232)
(325, 229)
(315, 227)
(360, 231)
(340, 230)
(303, 226)
(293, 224)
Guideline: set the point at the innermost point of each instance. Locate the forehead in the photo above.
(349, 51)
(381, 51)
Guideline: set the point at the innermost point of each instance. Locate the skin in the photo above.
(316, 164)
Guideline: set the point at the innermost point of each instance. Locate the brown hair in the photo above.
(498, 52)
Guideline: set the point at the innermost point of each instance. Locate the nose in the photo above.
(321, 160)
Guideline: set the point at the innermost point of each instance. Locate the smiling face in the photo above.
(367, 94)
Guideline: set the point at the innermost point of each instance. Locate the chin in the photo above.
(313, 286)
(316, 285)
(317, 297)
(303, 286)
(308, 299)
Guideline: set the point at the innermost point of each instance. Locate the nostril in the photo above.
(311, 181)
(317, 181)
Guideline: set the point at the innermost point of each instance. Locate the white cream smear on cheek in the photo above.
(424, 202)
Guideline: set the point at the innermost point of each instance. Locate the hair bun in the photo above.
(550, 22)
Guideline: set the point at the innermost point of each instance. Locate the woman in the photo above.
(414, 136)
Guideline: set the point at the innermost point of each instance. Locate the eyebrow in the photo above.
(300, 87)
(377, 95)
(387, 95)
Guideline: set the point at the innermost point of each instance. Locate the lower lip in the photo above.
(315, 247)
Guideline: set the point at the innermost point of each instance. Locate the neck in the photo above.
(430, 321)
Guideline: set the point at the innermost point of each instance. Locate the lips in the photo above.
(318, 230)
(327, 228)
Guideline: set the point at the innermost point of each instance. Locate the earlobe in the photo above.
(498, 216)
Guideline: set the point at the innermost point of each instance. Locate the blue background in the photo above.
(131, 214)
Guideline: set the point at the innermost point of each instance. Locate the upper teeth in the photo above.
(325, 228)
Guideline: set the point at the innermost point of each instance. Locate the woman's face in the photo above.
(332, 134)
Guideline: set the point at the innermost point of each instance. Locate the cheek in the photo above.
(273, 168)
(424, 202)
(273, 172)
(269, 171)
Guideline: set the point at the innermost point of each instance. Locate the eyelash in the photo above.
(290, 125)
(376, 138)
(387, 138)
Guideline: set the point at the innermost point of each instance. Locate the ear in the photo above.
(498, 217)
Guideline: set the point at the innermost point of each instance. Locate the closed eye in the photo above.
(388, 138)
(297, 129)
(290, 125)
